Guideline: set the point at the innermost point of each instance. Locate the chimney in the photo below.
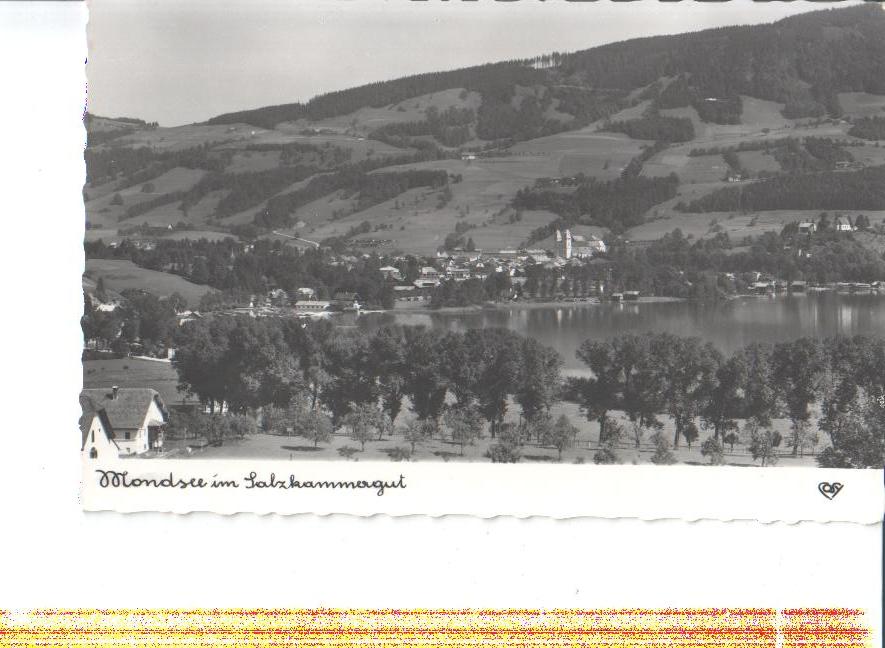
(114, 391)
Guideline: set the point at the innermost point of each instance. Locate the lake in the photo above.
(729, 325)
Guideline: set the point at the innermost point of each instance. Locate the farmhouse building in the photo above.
(134, 418)
(843, 224)
(346, 301)
(390, 272)
(807, 227)
(95, 429)
(312, 306)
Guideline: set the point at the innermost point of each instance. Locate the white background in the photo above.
(55, 555)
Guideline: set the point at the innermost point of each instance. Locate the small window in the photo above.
(93, 436)
(93, 454)
(127, 436)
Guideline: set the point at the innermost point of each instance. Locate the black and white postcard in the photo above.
(548, 259)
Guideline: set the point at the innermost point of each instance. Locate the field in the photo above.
(268, 446)
(101, 211)
(602, 155)
(133, 372)
(418, 221)
(419, 225)
(861, 104)
(409, 110)
(119, 275)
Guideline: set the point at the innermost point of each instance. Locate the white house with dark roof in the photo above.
(97, 440)
(136, 416)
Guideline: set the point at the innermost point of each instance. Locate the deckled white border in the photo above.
(436, 489)
(487, 490)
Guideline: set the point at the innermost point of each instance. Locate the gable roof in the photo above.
(90, 411)
(129, 408)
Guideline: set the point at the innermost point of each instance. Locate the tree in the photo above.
(496, 354)
(464, 423)
(607, 453)
(860, 442)
(763, 444)
(363, 420)
(712, 448)
(503, 452)
(725, 398)
(796, 369)
(662, 456)
(416, 431)
(690, 433)
(561, 435)
(424, 382)
(731, 438)
(314, 425)
(598, 394)
(686, 368)
(760, 398)
(538, 378)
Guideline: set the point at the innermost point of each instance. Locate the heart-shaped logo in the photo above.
(829, 490)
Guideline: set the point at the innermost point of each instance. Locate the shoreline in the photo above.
(523, 305)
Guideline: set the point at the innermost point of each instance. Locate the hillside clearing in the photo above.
(120, 275)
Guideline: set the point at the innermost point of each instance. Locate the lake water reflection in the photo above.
(729, 325)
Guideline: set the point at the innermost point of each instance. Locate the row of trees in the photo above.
(351, 179)
(658, 373)
(863, 189)
(249, 364)
(469, 380)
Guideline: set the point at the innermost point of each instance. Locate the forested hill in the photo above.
(802, 61)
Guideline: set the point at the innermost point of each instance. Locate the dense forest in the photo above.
(869, 128)
(237, 273)
(450, 128)
(654, 127)
(863, 189)
(840, 51)
(617, 204)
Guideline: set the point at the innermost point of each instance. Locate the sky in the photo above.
(179, 62)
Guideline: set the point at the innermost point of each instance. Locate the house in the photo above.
(278, 297)
(305, 293)
(186, 316)
(390, 272)
(348, 301)
(312, 307)
(134, 419)
(95, 429)
(807, 227)
(429, 273)
(843, 224)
